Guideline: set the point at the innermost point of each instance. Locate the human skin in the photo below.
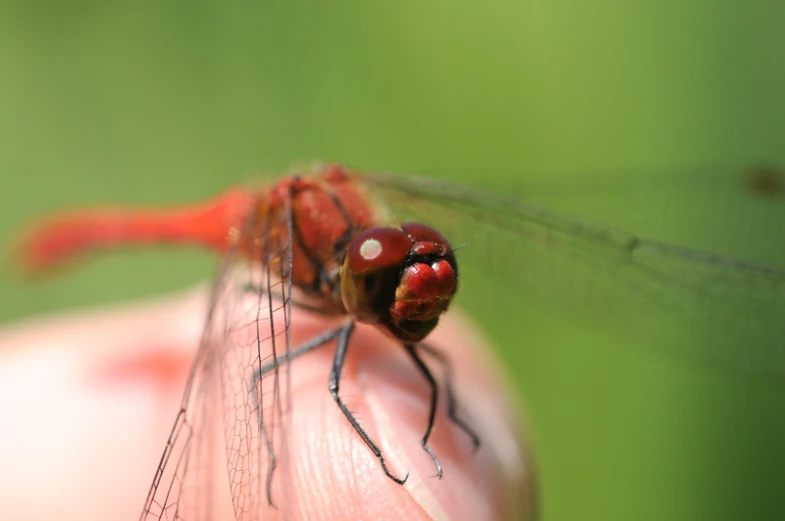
(89, 398)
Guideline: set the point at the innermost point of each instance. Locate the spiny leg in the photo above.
(269, 367)
(305, 347)
(335, 376)
(452, 407)
(412, 350)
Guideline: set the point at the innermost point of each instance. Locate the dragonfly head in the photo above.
(402, 279)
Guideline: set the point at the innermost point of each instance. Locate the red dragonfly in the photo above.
(356, 245)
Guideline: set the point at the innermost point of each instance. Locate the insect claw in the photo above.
(391, 475)
(435, 461)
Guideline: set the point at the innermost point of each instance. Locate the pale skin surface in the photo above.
(88, 399)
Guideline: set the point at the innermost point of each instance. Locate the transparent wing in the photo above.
(712, 308)
(228, 441)
(184, 484)
(256, 410)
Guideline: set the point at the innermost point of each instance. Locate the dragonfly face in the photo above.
(400, 278)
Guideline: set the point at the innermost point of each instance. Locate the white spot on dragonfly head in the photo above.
(370, 249)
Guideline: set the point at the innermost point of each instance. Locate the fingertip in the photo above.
(327, 469)
(390, 399)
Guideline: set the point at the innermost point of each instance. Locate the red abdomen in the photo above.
(324, 209)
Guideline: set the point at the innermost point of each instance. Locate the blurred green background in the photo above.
(154, 102)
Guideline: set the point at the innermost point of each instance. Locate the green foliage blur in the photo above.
(159, 103)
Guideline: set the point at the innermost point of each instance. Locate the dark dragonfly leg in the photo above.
(310, 345)
(271, 366)
(335, 376)
(452, 408)
(412, 350)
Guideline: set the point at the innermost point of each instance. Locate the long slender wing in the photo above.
(184, 485)
(229, 434)
(708, 307)
(257, 318)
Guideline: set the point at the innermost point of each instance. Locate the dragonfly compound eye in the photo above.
(400, 278)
